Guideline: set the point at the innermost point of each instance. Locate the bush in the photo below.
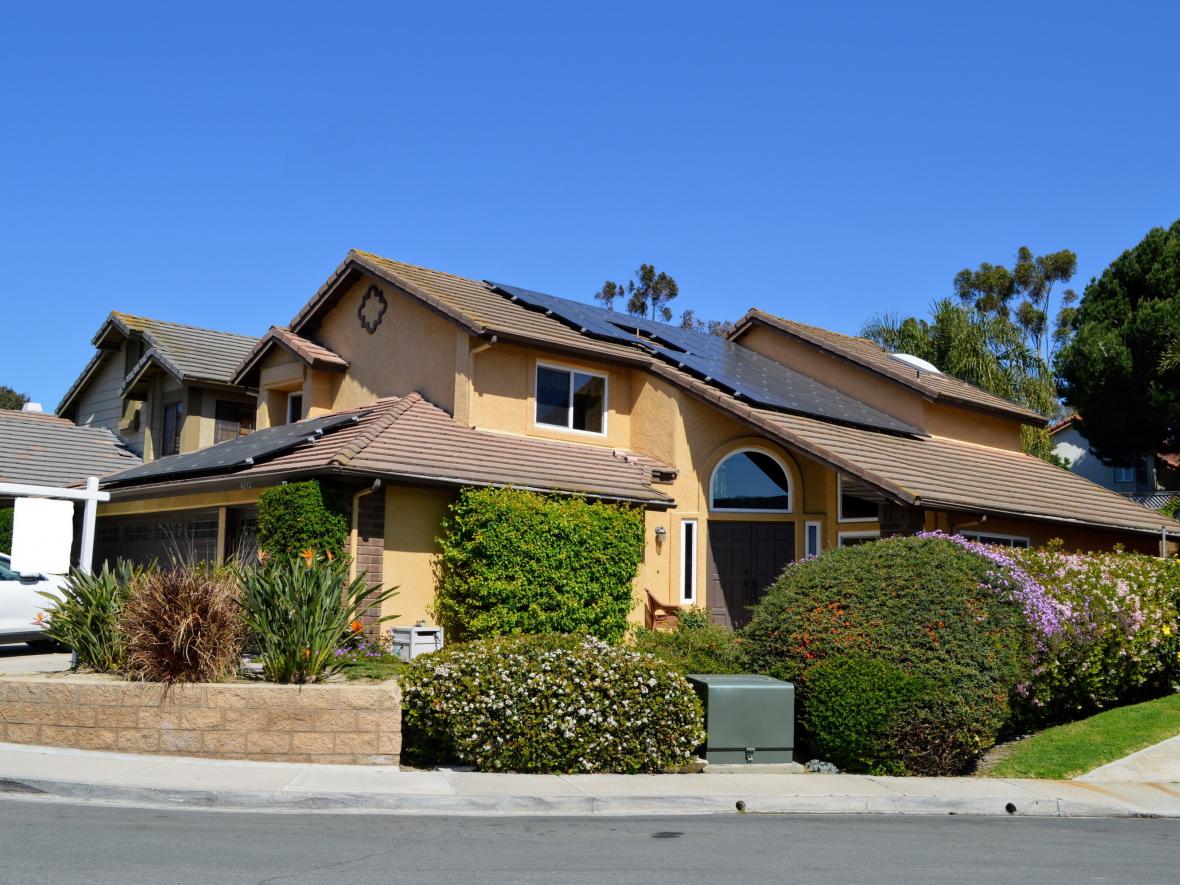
(302, 516)
(183, 625)
(515, 562)
(300, 609)
(85, 616)
(549, 704)
(694, 646)
(1117, 639)
(6, 514)
(923, 605)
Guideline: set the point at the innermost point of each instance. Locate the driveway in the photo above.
(19, 658)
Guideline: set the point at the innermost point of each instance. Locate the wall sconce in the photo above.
(661, 533)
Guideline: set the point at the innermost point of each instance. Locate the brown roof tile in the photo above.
(310, 352)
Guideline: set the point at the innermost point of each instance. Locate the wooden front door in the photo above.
(745, 558)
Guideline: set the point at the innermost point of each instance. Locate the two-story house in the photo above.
(163, 388)
(747, 453)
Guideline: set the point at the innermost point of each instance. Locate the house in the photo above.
(1151, 479)
(162, 388)
(747, 453)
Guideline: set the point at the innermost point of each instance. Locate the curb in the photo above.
(484, 805)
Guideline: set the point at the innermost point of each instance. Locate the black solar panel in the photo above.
(741, 371)
(236, 453)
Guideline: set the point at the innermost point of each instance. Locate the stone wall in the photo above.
(350, 724)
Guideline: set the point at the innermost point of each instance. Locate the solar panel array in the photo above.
(739, 370)
(241, 452)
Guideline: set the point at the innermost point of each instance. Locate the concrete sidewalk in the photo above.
(79, 775)
(1159, 763)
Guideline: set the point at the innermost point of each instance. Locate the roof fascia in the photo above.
(265, 345)
(1173, 529)
(82, 380)
(137, 372)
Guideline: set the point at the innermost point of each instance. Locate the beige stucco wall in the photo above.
(413, 517)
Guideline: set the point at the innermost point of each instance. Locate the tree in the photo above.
(720, 328)
(609, 293)
(10, 399)
(651, 291)
(1121, 367)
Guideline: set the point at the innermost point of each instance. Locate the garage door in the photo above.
(179, 536)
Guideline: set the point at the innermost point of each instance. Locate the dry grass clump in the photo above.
(183, 625)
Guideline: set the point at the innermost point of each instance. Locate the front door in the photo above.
(745, 558)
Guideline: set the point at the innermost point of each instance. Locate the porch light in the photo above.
(661, 533)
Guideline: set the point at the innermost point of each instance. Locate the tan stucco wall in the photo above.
(413, 517)
(936, 418)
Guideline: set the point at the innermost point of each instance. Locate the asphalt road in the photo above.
(43, 841)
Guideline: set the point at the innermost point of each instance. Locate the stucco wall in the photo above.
(413, 518)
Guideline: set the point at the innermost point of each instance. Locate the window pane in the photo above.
(688, 562)
(589, 399)
(857, 540)
(812, 540)
(553, 396)
(852, 507)
(750, 481)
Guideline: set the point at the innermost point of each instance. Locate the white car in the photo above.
(21, 606)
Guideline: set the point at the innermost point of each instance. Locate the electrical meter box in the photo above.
(749, 719)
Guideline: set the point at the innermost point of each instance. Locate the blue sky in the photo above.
(212, 163)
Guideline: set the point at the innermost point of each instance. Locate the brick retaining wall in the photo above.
(350, 724)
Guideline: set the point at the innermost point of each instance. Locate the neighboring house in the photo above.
(47, 450)
(163, 388)
(1140, 477)
(779, 443)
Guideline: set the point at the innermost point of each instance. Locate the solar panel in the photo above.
(236, 453)
(743, 372)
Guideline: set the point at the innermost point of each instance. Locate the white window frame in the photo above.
(840, 503)
(975, 535)
(874, 534)
(568, 427)
(1126, 471)
(808, 553)
(291, 419)
(777, 460)
(688, 566)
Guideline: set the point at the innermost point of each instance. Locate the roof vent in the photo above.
(916, 362)
(32, 407)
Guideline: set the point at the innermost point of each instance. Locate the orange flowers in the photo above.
(357, 626)
(306, 653)
(263, 556)
(329, 555)
(308, 557)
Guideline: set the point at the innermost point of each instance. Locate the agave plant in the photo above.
(299, 609)
(85, 616)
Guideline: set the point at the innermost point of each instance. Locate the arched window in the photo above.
(750, 480)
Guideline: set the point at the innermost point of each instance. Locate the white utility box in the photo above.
(409, 642)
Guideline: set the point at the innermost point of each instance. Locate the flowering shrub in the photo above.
(549, 703)
(924, 606)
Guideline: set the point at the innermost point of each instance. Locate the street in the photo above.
(42, 841)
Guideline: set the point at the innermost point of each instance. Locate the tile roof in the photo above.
(313, 354)
(40, 449)
(411, 439)
(197, 354)
(872, 356)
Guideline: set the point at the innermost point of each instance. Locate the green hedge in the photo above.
(514, 562)
(926, 607)
(549, 703)
(302, 516)
(6, 529)
(696, 646)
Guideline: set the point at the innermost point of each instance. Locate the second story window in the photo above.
(571, 399)
(172, 424)
(294, 407)
(232, 420)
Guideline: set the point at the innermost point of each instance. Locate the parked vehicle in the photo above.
(21, 603)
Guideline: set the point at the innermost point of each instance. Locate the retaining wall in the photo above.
(337, 723)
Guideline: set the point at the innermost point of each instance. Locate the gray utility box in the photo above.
(409, 642)
(749, 719)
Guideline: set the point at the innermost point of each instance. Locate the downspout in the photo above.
(354, 537)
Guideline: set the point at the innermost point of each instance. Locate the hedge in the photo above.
(302, 516)
(548, 703)
(925, 606)
(6, 529)
(514, 562)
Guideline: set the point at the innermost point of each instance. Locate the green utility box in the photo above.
(749, 719)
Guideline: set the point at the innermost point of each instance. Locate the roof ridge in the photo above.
(134, 316)
(399, 407)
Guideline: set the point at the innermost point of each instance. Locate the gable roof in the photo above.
(310, 352)
(410, 439)
(188, 353)
(40, 449)
(872, 356)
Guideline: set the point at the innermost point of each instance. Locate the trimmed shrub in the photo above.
(302, 516)
(85, 616)
(183, 625)
(515, 562)
(694, 646)
(6, 514)
(926, 606)
(299, 610)
(549, 704)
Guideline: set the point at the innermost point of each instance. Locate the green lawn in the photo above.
(1066, 751)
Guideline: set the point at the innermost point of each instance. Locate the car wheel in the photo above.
(44, 645)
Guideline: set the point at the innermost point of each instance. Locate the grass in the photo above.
(1065, 751)
(369, 661)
